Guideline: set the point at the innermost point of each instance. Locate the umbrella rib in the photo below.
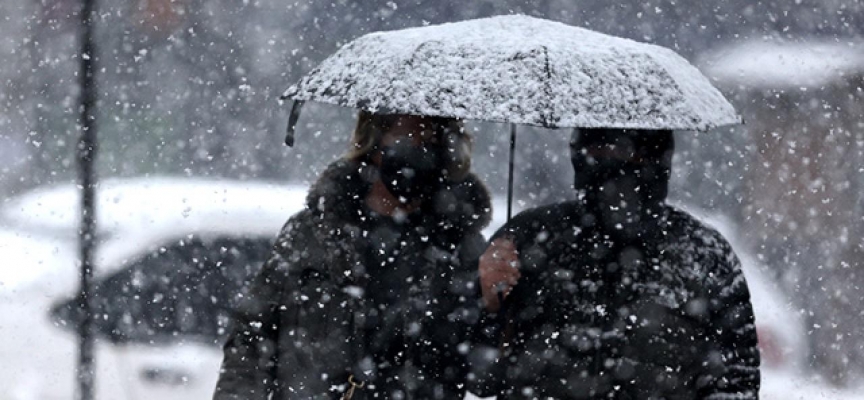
(549, 113)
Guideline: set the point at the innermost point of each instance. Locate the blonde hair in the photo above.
(371, 128)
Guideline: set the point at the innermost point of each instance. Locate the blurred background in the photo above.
(188, 94)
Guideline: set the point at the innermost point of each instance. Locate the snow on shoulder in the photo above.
(518, 69)
(784, 65)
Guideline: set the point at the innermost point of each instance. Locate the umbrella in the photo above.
(519, 70)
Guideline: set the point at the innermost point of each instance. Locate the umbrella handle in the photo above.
(510, 174)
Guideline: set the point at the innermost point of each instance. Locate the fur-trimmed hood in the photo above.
(341, 191)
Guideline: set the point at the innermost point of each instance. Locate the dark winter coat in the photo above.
(664, 316)
(346, 291)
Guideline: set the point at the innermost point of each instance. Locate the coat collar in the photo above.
(341, 191)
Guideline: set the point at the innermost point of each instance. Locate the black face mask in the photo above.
(623, 175)
(411, 172)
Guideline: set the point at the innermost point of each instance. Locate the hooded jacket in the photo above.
(655, 308)
(669, 318)
(347, 292)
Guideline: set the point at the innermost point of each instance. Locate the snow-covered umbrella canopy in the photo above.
(518, 69)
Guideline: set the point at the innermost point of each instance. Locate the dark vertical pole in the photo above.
(504, 312)
(510, 174)
(86, 156)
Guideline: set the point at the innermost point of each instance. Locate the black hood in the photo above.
(622, 176)
(341, 191)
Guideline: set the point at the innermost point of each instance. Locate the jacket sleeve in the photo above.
(733, 368)
(249, 364)
(484, 368)
(487, 363)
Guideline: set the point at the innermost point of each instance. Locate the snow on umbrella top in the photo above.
(518, 69)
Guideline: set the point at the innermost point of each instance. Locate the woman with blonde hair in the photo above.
(370, 291)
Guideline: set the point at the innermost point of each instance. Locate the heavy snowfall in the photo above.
(226, 263)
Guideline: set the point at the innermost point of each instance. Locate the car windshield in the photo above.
(186, 288)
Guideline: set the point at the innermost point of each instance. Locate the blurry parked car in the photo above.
(174, 256)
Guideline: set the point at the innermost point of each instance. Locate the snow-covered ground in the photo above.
(37, 245)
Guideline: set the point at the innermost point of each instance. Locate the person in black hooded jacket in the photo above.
(371, 291)
(619, 295)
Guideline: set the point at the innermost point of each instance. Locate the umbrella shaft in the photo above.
(510, 173)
